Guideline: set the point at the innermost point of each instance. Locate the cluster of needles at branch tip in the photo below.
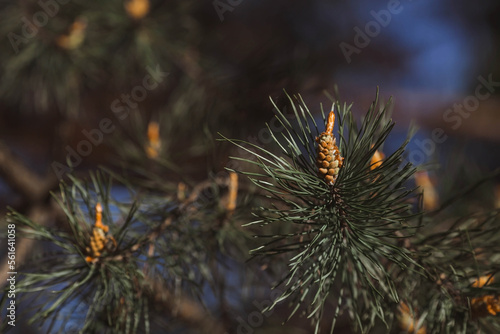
(328, 158)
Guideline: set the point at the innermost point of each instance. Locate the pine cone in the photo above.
(328, 158)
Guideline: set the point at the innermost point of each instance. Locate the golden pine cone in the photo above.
(328, 158)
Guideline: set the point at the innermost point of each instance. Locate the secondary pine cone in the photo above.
(328, 157)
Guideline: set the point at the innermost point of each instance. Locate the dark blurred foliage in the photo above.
(222, 73)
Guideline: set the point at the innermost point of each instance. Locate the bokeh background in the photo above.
(60, 73)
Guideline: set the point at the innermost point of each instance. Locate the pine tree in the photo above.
(359, 241)
(170, 234)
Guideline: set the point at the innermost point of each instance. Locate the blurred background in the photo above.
(203, 67)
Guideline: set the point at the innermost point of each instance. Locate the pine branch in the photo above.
(157, 240)
(341, 229)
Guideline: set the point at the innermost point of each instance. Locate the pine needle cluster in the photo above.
(153, 241)
(338, 217)
(342, 234)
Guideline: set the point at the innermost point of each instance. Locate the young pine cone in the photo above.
(328, 157)
(99, 238)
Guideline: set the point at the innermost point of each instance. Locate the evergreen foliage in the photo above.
(360, 246)
(342, 234)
